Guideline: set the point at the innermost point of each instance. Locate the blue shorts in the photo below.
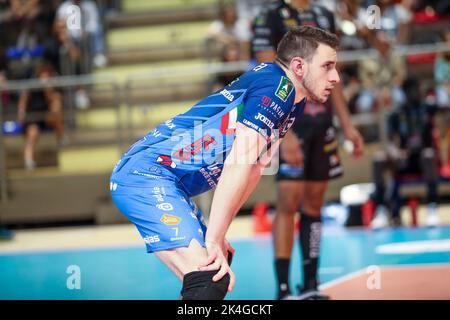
(165, 216)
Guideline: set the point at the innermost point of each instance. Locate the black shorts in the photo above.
(321, 156)
(42, 125)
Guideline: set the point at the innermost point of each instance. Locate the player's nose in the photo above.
(334, 77)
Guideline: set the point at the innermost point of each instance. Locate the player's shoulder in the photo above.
(266, 72)
(271, 80)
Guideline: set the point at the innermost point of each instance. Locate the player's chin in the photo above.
(324, 97)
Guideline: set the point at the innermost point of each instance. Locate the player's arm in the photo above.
(240, 168)
(257, 171)
(341, 110)
(22, 106)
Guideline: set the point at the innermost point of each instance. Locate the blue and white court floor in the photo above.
(110, 262)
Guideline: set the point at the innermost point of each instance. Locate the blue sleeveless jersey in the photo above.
(192, 147)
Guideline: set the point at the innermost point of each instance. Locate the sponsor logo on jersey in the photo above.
(194, 148)
(158, 193)
(155, 169)
(156, 133)
(256, 127)
(330, 134)
(266, 101)
(211, 173)
(334, 160)
(170, 220)
(259, 20)
(285, 88)
(264, 120)
(335, 171)
(165, 206)
(169, 124)
(151, 239)
(251, 124)
(284, 13)
(330, 146)
(290, 23)
(287, 124)
(277, 109)
(227, 94)
(166, 160)
(146, 175)
(192, 213)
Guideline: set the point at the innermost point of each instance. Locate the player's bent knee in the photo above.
(198, 285)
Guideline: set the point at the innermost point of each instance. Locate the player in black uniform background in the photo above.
(309, 154)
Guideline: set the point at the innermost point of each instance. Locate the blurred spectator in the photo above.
(395, 20)
(230, 53)
(442, 76)
(411, 150)
(25, 28)
(351, 25)
(4, 95)
(351, 86)
(65, 55)
(248, 9)
(441, 7)
(229, 28)
(90, 32)
(40, 110)
(62, 51)
(381, 77)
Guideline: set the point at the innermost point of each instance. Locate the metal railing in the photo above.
(65, 82)
(156, 78)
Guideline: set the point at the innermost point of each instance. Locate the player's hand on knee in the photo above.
(229, 251)
(216, 260)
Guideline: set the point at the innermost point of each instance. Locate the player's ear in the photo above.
(298, 65)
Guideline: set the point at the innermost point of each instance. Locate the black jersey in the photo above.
(270, 26)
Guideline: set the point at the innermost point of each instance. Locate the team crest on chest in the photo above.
(284, 89)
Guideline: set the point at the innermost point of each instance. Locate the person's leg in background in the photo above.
(431, 177)
(55, 119)
(289, 195)
(396, 203)
(97, 43)
(321, 164)
(310, 232)
(32, 132)
(379, 163)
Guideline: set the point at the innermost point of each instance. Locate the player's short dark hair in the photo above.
(303, 41)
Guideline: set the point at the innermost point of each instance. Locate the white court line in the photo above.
(414, 247)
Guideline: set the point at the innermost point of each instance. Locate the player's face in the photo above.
(322, 75)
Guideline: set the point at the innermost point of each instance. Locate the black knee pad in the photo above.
(198, 285)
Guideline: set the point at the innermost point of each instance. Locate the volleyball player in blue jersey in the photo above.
(222, 142)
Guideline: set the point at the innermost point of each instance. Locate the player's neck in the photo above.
(300, 92)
